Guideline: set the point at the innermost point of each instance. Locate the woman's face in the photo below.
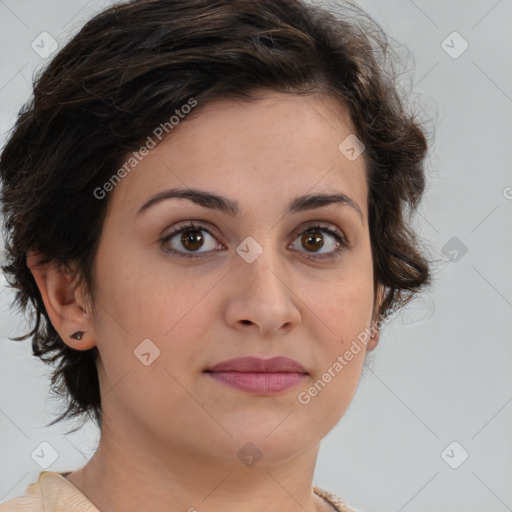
(264, 282)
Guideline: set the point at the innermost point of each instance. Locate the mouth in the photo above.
(259, 376)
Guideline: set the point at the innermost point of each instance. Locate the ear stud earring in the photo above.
(77, 335)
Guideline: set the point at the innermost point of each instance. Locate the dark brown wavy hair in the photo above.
(128, 70)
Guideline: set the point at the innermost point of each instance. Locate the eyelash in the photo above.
(343, 243)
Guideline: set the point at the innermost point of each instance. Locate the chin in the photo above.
(274, 440)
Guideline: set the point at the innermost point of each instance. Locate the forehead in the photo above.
(276, 146)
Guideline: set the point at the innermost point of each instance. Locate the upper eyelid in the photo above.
(206, 226)
(329, 226)
(196, 224)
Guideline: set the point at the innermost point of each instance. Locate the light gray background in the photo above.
(442, 370)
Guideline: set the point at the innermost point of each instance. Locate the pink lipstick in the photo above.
(259, 376)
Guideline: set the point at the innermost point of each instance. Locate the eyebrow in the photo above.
(231, 207)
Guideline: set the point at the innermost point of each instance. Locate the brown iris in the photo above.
(192, 239)
(310, 241)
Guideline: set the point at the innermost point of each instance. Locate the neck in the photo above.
(124, 475)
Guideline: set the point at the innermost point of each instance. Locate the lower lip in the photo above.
(263, 383)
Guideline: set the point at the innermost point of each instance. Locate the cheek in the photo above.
(146, 324)
(341, 349)
(141, 298)
(322, 403)
(341, 312)
(137, 302)
(147, 296)
(345, 302)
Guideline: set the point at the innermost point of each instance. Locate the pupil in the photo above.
(191, 237)
(193, 240)
(311, 239)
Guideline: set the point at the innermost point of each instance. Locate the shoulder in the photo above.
(32, 501)
(332, 498)
(51, 493)
(22, 504)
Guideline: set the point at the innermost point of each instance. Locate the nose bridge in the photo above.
(261, 269)
(262, 291)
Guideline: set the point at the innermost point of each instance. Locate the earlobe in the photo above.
(63, 302)
(375, 326)
(374, 338)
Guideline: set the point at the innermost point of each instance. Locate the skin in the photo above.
(169, 423)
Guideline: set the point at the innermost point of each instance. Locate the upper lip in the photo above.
(279, 364)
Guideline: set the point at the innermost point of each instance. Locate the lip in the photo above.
(279, 364)
(259, 376)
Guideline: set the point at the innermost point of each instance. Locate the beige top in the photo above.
(53, 493)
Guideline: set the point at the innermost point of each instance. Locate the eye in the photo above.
(195, 240)
(313, 239)
(190, 240)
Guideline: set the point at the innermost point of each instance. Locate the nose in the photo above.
(261, 297)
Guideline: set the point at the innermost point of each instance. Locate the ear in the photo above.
(65, 302)
(375, 326)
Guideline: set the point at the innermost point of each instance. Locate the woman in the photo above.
(205, 206)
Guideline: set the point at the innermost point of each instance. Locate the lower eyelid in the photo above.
(338, 237)
(169, 236)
